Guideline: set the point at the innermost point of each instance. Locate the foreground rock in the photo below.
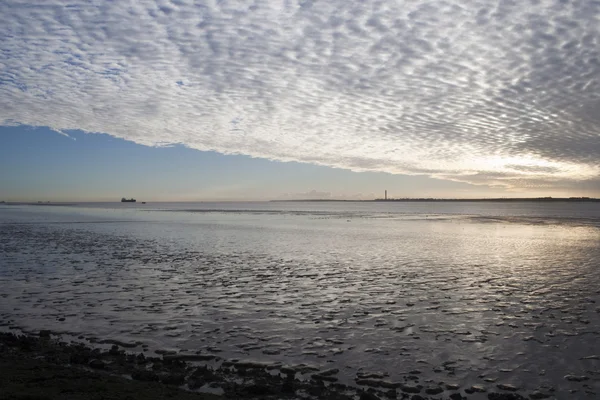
(22, 377)
(41, 367)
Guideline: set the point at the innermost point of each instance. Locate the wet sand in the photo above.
(402, 307)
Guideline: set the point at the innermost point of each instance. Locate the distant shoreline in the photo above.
(504, 200)
(402, 200)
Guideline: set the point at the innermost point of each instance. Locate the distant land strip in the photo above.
(432, 199)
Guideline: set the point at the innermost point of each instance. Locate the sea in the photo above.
(473, 293)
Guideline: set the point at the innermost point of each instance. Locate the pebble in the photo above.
(475, 389)
(434, 390)
(576, 378)
(508, 387)
(539, 395)
(410, 389)
(329, 372)
(505, 396)
(45, 333)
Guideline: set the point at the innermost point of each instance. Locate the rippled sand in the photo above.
(457, 299)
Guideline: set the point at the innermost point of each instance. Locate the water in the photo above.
(469, 293)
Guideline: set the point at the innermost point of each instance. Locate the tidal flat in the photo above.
(403, 300)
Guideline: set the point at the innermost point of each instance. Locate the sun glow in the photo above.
(534, 166)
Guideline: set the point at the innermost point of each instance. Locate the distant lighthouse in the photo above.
(386, 194)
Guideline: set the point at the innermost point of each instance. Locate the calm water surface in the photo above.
(469, 293)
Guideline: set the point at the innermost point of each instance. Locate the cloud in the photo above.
(480, 91)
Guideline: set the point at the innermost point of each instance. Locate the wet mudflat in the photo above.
(421, 306)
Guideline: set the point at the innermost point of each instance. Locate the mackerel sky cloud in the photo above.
(501, 93)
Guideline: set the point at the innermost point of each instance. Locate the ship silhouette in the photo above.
(124, 200)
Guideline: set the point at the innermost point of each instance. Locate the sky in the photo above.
(267, 99)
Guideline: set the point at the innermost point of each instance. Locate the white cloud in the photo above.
(500, 93)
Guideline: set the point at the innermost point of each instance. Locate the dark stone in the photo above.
(96, 364)
(329, 372)
(505, 396)
(538, 395)
(25, 343)
(338, 386)
(319, 377)
(316, 390)
(417, 397)
(157, 365)
(140, 358)
(175, 363)
(475, 389)
(190, 357)
(434, 390)
(145, 376)
(337, 396)
(79, 357)
(576, 378)
(259, 390)
(288, 386)
(410, 389)
(203, 372)
(119, 343)
(504, 386)
(61, 319)
(44, 333)
(114, 350)
(173, 379)
(368, 396)
(456, 396)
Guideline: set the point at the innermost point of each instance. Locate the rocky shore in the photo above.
(44, 367)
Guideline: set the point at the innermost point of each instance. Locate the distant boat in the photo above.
(143, 202)
(124, 200)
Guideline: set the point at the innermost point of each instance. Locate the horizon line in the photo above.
(403, 199)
